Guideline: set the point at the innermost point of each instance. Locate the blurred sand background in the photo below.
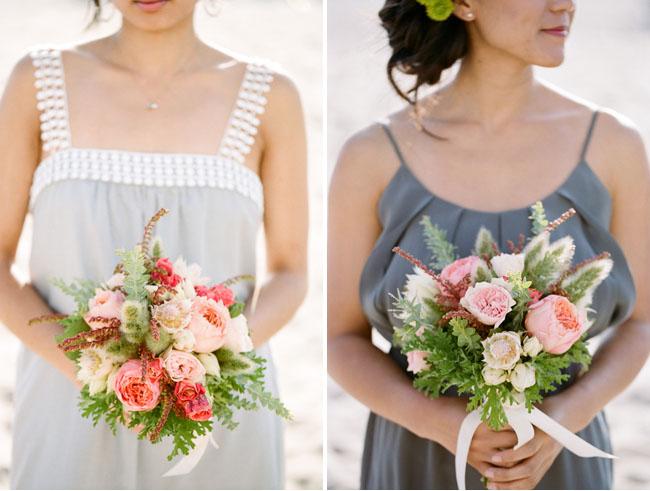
(289, 33)
(607, 63)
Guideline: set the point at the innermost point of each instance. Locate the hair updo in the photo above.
(420, 45)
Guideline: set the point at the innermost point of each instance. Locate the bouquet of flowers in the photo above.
(499, 327)
(160, 350)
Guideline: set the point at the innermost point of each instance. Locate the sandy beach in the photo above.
(606, 63)
(258, 28)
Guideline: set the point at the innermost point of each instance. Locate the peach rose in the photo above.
(417, 361)
(456, 271)
(181, 365)
(488, 302)
(134, 391)
(209, 323)
(555, 322)
(106, 304)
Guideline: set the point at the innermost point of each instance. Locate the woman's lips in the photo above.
(150, 5)
(560, 31)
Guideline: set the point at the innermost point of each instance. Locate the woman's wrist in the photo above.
(437, 419)
(570, 408)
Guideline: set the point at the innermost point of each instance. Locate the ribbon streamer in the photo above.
(187, 463)
(522, 422)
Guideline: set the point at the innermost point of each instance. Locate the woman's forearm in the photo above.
(372, 378)
(18, 304)
(278, 300)
(615, 365)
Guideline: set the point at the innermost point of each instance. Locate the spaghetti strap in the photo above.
(585, 145)
(393, 142)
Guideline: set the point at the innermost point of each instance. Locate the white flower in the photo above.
(420, 286)
(115, 281)
(184, 340)
(522, 376)
(502, 350)
(532, 346)
(493, 376)
(191, 274)
(237, 337)
(174, 315)
(95, 365)
(210, 363)
(507, 264)
(502, 283)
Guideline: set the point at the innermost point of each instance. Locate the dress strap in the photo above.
(51, 99)
(585, 145)
(393, 142)
(243, 123)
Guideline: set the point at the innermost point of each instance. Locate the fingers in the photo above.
(521, 471)
(495, 439)
(511, 456)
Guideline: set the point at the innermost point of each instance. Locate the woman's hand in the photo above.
(525, 467)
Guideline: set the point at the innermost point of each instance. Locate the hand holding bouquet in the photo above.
(500, 328)
(159, 349)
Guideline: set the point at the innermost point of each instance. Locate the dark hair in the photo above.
(420, 45)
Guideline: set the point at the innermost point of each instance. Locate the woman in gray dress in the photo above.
(479, 151)
(97, 137)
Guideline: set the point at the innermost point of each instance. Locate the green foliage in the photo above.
(484, 243)
(236, 309)
(442, 251)
(483, 275)
(538, 218)
(550, 370)
(156, 249)
(80, 290)
(72, 325)
(102, 406)
(136, 276)
(232, 363)
(546, 269)
(467, 336)
(135, 320)
(586, 279)
(163, 342)
(534, 251)
(521, 296)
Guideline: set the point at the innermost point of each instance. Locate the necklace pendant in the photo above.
(152, 106)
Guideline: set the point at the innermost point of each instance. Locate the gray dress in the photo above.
(395, 458)
(85, 203)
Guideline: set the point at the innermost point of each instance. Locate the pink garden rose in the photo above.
(181, 365)
(216, 293)
(134, 391)
(209, 322)
(192, 401)
(417, 361)
(106, 304)
(488, 302)
(456, 271)
(556, 322)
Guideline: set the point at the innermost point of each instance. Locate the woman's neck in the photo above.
(158, 53)
(491, 88)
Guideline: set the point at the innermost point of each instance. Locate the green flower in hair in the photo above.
(438, 9)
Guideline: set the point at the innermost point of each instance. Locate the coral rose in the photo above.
(209, 322)
(216, 293)
(163, 273)
(555, 322)
(135, 392)
(106, 304)
(191, 399)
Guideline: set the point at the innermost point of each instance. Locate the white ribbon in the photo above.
(187, 463)
(521, 421)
